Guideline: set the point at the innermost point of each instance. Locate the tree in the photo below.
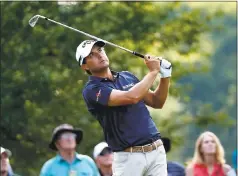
(42, 83)
(213, 102)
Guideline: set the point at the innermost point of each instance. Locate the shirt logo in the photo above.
(98, 95)
(128, 85)
(72, 173)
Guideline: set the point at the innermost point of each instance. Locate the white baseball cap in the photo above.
(99, 148)
(85, 48)
(8, 152)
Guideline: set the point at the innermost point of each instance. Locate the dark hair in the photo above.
(88, 72)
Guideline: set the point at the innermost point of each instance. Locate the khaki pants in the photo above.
(140, 164)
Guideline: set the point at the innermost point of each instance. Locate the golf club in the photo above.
(35, 18)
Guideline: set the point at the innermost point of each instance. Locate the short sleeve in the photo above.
(97, 94)
(132, 75)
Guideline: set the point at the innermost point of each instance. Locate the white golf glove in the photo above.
(165, 68)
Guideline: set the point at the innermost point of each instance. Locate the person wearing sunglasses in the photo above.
(68, 162)
(103, 156)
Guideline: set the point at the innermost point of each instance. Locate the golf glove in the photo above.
(165, 68)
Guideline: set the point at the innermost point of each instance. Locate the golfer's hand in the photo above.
(152, 63)
(165, 69)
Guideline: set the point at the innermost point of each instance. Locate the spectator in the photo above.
(104, 157)
(5, 165)
(209, 158)
(67, 162)
(6, 169)
(173, 168)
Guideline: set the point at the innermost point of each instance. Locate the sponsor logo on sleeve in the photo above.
(98, 95)
(128, 85)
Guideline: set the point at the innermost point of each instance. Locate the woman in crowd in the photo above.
(209, 158)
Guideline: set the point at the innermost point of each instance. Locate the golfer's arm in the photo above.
(135, 94)
(157, 98)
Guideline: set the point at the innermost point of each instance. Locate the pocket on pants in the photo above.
(120, 157)
(161, 150)
(119, 164)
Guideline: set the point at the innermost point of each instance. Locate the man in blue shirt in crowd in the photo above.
(118, 101)
(68, 162)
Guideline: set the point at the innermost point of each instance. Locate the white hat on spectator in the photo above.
(99, 148)
(8, 152)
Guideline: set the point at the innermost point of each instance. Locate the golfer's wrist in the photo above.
(154, 72)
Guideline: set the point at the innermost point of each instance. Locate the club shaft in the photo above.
(93, 37)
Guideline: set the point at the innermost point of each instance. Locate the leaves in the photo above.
(42, 82)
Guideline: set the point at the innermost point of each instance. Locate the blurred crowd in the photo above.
(208, 158)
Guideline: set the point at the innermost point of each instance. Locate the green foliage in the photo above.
(41, 82)
(213, 103)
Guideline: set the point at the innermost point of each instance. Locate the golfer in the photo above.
(118, 101)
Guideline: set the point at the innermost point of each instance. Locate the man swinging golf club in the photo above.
(118, 101)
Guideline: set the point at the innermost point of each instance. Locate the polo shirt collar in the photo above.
(77, 156)
(96, 78)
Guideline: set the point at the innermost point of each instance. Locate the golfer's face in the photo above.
(208, 145)
(4, 162)
(97, 60)
(67, 141)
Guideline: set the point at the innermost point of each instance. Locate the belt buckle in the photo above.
(149, 146)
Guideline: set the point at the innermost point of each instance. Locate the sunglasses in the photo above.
(105, 151)
(68, 136)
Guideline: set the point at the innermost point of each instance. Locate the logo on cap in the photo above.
(87, 42)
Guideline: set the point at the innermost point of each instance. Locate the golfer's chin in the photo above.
(102, 68)
(104, 64)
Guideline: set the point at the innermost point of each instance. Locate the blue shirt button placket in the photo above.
(72, 171)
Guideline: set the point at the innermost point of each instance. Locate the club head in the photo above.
(33, 20)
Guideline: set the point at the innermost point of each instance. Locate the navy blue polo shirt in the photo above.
(123, 126)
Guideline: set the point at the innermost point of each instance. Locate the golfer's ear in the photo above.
(84, 67)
